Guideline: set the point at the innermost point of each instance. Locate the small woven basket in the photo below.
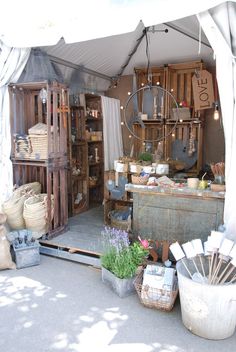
(120, 224)
(139, 180)
(217, 187)
(153, 297)
(39, 145)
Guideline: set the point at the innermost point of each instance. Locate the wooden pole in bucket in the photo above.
(198, 248)
(231, 255)
(178, 253)
(215, 241)
(207, 252)
(190, 253)
(233, 263)
(224, 252)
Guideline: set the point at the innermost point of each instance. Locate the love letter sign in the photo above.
(203, 92)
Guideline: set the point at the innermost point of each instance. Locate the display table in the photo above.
(181, 214)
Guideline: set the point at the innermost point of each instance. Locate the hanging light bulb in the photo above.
(216, 112)
(43, 95)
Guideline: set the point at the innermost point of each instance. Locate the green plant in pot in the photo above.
(120, 260)
(145, 158)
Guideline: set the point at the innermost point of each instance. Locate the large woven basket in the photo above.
(153, 297)
(139, 180)
(35, 187)
(13, 208)
(36, 214)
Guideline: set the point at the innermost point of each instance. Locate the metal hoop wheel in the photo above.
(167, 93)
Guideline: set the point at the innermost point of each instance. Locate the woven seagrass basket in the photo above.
(139, 180)
(36, 214)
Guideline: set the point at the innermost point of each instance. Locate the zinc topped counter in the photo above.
(175, 213)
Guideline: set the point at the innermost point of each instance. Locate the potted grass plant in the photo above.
(120, 260)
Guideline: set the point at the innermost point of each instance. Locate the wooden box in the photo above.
(48, 163)
(180, 114)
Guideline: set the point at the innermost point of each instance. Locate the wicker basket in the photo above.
(139, 180)
(164, 300)
(215, 187)
(93, 181)
(22, 147)
(39, 146)
(119, 224)
(36, 214)
(35, 187)
(13, 208)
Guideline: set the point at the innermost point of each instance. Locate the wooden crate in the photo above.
(181, 132)
(26, 110)
(78, 161)
(52, 177)
(177, 80)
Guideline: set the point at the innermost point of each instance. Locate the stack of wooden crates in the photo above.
(28, 107)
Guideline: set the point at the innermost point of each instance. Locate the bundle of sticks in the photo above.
(218, 169)
(213, 263)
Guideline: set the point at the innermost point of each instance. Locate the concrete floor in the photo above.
(64, 306)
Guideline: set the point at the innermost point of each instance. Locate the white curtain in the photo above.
(219, 25)
(12, 63)
(113, 144)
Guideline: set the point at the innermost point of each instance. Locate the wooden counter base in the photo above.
(175, 214)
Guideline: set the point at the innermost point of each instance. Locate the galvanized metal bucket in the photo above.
(208, 311)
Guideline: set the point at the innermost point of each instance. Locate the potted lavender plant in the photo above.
(120, 260)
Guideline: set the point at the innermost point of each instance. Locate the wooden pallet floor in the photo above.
(82, 242)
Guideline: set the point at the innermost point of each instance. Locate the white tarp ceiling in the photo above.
(26, 23)
(100, 35)
(108, 55)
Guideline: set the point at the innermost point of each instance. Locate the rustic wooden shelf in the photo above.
(26, 110)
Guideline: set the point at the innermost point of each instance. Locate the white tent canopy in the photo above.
(24, 25)
(80, 21)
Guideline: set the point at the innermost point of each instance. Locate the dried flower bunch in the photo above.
(119, 256)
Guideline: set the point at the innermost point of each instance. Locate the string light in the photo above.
(172, 90)
(158, 83)
(121, 107)
(216, 112)
(122, 123)
(173, 135)
(142, 84)
(130, 136)
(129, 93)
(180, 120)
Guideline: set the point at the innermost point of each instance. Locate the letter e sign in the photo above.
(203, 92)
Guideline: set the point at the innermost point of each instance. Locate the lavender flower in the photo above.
(115, 239)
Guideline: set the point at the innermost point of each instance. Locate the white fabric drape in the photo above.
(219, 26)
(12, 63)
(113, 143)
